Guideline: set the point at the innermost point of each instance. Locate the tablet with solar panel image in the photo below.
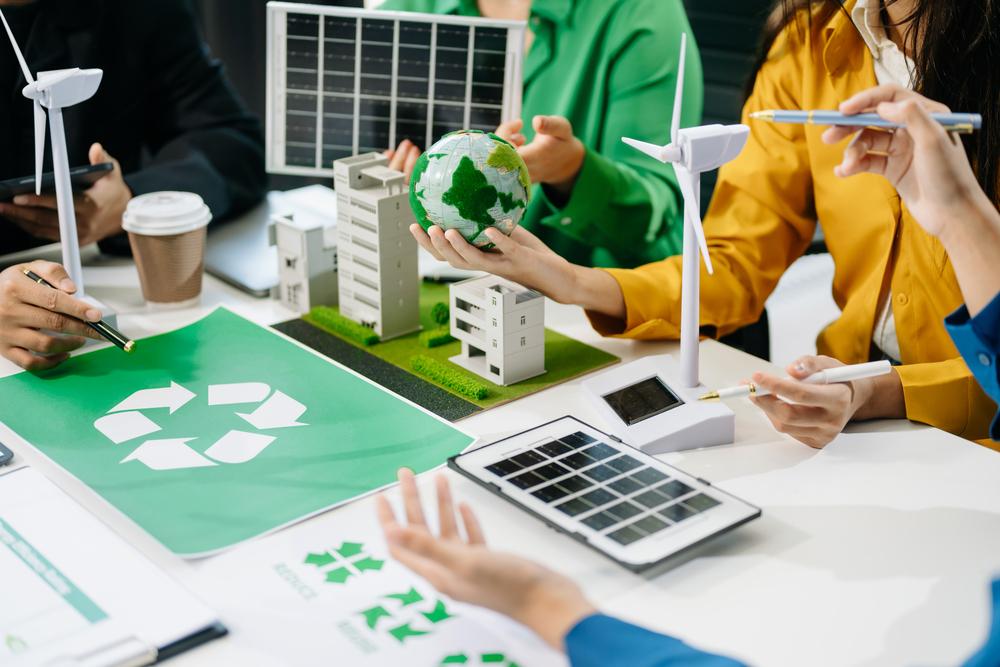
(631, 507)
(343, 82)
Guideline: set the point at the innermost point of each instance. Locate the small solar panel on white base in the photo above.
(347, 81)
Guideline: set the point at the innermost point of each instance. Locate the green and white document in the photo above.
(328, 592)
(74, 593)
(221, 431)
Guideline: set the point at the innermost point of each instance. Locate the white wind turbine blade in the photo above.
(17, 50)
(652, 150)
(39, 145)
(675, 122)
(692, 212)
(39, 111)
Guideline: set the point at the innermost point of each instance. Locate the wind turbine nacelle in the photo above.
(708, 147)
(59, 89)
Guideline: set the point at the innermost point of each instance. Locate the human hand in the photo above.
(511, 132)
(99, 210)
(926, 164)
(404, 157)
(26, 308)
(813, 414)
(554, 157)
(521, 257)
(466, 570)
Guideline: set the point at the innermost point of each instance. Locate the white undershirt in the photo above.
(891, 66)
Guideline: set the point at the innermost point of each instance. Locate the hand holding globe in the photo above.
(470, 181)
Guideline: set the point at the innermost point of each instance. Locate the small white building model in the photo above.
(307, 261)
(377, 255)
(502, 329)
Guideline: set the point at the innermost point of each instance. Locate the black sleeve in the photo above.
(200, 135)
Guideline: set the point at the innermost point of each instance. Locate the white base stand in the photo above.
(689, 426)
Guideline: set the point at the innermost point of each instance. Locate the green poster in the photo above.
(221, 431)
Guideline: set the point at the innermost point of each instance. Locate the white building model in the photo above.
(376, 254)
(502, 329)
(307, 261)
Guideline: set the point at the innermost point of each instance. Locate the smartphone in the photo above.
(81, 178)
(6, 456)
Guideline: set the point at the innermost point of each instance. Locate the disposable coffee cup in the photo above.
(167, 233)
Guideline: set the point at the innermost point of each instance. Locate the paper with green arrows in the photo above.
(222, 431)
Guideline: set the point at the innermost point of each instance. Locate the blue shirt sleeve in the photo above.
(989, 654)
(602, 641)
(978, 339)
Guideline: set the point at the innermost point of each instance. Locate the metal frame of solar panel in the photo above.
(341, 81)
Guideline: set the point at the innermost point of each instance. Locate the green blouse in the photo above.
(610, 67)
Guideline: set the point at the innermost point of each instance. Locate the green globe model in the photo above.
(470, 181)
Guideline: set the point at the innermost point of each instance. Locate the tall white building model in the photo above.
(502, 329)
(376, 254)
(307, 261)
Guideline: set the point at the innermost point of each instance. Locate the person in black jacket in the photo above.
(164, 110)
(164, 115)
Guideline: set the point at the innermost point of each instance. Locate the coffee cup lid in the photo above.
(165, 214)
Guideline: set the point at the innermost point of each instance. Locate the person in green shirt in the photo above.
(595, 71)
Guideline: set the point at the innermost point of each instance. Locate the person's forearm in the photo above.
(880, 398)
(972, 240)
(598, 292)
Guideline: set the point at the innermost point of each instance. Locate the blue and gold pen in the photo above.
(961, 123)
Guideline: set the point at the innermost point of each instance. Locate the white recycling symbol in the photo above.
(126, 422)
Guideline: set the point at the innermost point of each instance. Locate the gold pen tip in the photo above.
(710, 396)
(130, 346)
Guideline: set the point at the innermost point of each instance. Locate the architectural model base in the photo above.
(645, 405)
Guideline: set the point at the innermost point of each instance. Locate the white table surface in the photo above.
(877, 550)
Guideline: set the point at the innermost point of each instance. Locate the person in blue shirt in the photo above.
(930, 171)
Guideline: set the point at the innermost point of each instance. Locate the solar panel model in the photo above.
(629, 506)
(347, 81)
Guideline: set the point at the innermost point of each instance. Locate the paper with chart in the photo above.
(331, 589)
(71, 588)
(221, 431)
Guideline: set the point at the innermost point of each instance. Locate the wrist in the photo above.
(971, 218)
(552, 609)
(879, 398)
(562, 185)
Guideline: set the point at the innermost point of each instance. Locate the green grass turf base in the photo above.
(565, 358)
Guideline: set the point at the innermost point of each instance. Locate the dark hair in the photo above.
(956, 53)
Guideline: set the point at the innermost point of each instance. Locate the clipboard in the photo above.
(77, 594)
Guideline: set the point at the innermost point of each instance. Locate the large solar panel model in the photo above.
(627, 505)
(342, 82)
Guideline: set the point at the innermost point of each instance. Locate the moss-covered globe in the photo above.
(470, 181)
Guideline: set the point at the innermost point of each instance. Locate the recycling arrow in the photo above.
(438, 614)
(403, 631)
(235, 394)
(173, 397)
(168, 455)
(320, 559)
(373, 615)
(279, 411)
(238, 447)
(124, 426)
(410, 597)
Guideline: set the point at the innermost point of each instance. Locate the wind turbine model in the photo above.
(55, 91)
(691, 152)
(651, 403)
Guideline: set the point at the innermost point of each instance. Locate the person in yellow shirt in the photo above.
(893, 281)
